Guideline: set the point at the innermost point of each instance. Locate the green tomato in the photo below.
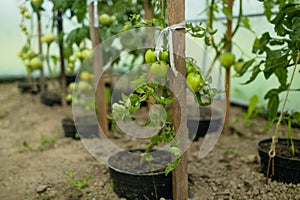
(36, 63)
(26, 15)
(227, 59)
(190, 68)
(37, 3)
(72, 86)
(48, 38)
(112, 19)
(70, 70)
(159, 70)
(238, 66)
(164, 56)
(195, 82)
(73, 58)
(85, 53)
(150, 56)
(84, 86)
(104, 19)
(26, 62)
(69, 97)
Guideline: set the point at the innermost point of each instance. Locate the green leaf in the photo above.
(273, 105)
(156, 139)
(260, 45)
(252, 104)
(275, 59)
(246, 23)
(255, 72)
(282, 74)
(171, 166)
(246, 66)
(176, 151)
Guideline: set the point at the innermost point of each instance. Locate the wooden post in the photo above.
(228, 46)
(63, 81)
(42, 77)
(176, 14)
(101, 108)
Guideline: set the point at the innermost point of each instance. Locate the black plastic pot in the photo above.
(287, 170)
(26, 87)
(69, 128)
(87, 127)
(200, 127)
(50, 99)
(70, 78)
(134, 183)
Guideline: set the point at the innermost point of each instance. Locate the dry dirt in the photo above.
(35, 158)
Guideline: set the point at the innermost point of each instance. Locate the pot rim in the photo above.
(131, 173)
(269, 140)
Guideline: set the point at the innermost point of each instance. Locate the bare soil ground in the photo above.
(36, 159)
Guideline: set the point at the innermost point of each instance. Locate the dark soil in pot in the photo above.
(133, 179)
(69, 128)
(287, 168)
(206, 124)
(50, 98)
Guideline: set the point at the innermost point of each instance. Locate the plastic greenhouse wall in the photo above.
(11, 39)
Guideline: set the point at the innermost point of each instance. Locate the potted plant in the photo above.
(152, 165)
(279, 156)
(69, 128)
(31, 59)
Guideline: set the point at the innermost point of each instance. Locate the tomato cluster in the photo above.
(194, 79)
(159, 68)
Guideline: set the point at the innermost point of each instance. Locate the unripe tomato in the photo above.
(159, 70)
(72, 58)
(112, 19)
(48, 38)
(72, 86)
(190, 67)
(26, 62)
(195, 82)
(36, 63)
(84, 75)
(150, 56)
(26, 15)
(104, 19)
(238, 66)
(227, 59)
(85, 53)
(37, 3)
(69, 98)
(164, 56)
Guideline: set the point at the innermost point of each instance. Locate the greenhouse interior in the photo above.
(150, 99)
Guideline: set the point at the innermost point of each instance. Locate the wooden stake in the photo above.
(101, 107)
(63, 80)
(228, 46)
(176, 14)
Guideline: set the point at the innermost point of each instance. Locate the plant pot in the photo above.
(206, 124)
(26, 87)
(69, 128)
(50, 99)
(132, 180)
(70, 78)
(287, 169)
(87, 127)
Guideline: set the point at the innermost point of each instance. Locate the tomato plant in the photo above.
(279, 52)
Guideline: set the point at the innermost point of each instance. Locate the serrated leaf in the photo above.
(255, 72)
(273, 105)
(246, 66)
